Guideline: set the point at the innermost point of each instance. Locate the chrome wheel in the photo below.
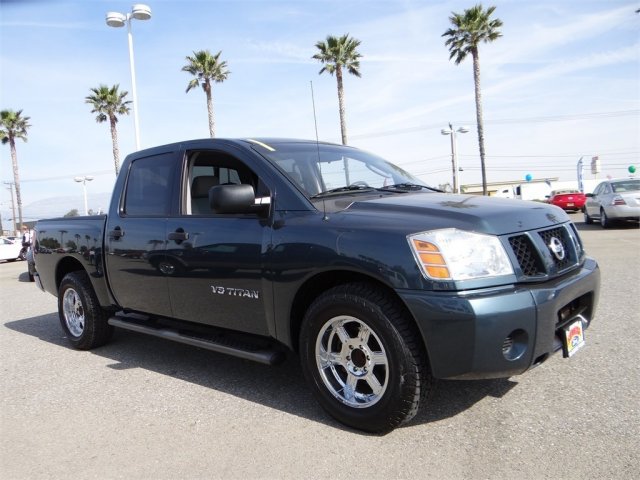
(352, 362)
(73, 311)
(166, 268)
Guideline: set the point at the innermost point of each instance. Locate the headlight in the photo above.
(452, 254)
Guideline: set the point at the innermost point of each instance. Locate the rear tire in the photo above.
(31, 270)
(81, 317)
(363, 359)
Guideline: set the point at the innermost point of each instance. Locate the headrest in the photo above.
(201, 185)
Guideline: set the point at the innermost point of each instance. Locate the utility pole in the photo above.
(13, 206)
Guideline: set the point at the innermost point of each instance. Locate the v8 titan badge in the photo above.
(573, 338)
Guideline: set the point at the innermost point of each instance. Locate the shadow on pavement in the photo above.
(623, 225)
(455, 396)
(282, 387)
(24, 277)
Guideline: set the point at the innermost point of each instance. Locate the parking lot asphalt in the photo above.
(145, 408)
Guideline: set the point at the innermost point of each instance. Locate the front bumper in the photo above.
(500, 332)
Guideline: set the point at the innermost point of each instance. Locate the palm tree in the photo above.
(108, 103)
(337, 53)
(13, 125)
(206, 68)
(471, 28)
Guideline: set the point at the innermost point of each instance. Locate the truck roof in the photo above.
(269, 143)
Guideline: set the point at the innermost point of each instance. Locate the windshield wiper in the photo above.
(406, 187)
(348, 188)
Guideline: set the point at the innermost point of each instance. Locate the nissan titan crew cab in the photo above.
(379, 283)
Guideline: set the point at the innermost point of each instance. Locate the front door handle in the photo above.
(179, 236)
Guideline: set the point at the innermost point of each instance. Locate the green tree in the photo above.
(72, 213)
(338, 53)
(206, 68)
(470, 28)
(108, 103)
(13, 125)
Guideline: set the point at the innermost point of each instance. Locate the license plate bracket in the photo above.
(572, 336)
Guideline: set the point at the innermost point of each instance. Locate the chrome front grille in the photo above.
(546, 252)
(559, 234)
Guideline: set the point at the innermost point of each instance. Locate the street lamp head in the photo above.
(446, 131)
(116, 19)
(463, 129)
(86, 178)
(141, 11)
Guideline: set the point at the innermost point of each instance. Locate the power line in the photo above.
(66, 177)
(499, 121)
(559, 155)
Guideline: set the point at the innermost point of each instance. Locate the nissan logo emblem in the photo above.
(556, 248)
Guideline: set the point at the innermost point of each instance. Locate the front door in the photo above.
(217, 275)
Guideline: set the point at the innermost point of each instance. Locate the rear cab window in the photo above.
(148, 190)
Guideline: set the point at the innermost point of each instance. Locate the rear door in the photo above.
(219, 276)
(136, 234)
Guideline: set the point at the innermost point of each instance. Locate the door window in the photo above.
(598, 190)
(207, 169)
(148, 191)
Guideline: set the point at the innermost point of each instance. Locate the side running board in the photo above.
(217, 342)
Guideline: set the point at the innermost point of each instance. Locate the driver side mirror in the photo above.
(235, 199)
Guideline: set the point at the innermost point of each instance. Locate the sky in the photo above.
(563, 82)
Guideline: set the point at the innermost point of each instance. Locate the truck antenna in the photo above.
(315, 122)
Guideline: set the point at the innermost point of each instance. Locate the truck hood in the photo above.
(423, 211)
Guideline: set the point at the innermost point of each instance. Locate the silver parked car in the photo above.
(613, 200)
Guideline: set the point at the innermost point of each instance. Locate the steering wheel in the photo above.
(359, 183)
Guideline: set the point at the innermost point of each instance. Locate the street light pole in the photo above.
(454, 156)
(84, 180)
(134, 93)
(116, 19)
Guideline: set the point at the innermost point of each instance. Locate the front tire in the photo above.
(362, 357)
(605, 222)
(587, 218)
(81, 317)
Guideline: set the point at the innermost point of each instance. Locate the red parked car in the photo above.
(567, 199)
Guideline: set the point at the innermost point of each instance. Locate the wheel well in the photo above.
(66, 265)
(317, 285)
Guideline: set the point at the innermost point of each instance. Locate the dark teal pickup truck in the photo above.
(379, 283)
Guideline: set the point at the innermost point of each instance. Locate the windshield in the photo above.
(323, 169)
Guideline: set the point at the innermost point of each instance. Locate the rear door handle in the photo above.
(116, 233)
